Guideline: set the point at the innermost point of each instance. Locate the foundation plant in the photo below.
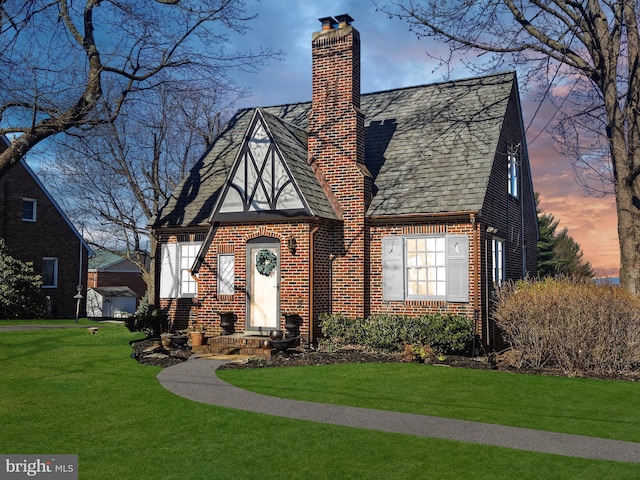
(439, 333)
(569, 324)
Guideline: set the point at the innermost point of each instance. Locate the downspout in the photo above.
(311, 286)
(478, 289)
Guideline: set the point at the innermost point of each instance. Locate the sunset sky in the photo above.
(392, 57)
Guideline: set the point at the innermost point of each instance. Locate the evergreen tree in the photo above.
(19, 288)
(558, 253)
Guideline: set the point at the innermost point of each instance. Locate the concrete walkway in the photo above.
(196, 380)
(23, 328)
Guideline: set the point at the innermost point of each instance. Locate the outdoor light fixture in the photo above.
(492, 230)
(292, 244)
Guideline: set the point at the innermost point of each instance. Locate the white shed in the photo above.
(111, 302)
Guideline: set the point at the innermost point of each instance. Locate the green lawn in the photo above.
(598, 408)
(65, 391)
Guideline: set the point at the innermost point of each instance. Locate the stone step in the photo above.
(233, 349)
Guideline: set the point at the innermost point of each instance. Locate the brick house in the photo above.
(35, 229)
(115, 285)
(408, 201)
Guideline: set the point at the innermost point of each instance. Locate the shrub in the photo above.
(444, 333)
(20, 295)
(148, 319)
(570, 324)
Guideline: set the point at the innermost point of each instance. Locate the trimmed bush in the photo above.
(148, 319)
(444, 333)
(570, 324)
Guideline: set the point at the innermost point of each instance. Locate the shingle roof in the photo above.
(292, 142)
(429, 148)
(103, 259)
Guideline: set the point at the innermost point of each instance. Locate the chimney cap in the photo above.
(327, 22)
(344, 19)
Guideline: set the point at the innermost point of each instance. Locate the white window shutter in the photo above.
(457, 268)
(169, 271)
(392, 268)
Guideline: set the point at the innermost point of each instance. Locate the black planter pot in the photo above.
(282, 346)
(227, 323)
(292, 324)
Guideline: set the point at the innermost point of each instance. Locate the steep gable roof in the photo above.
(429, 148)
(270, 176)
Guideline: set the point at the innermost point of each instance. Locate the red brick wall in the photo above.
(336, 146)
(419, 307)
(294, 277)
(133, 280)
(48, 236)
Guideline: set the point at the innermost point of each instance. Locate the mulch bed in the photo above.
(150, 352)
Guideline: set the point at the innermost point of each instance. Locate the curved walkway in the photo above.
(196, 380)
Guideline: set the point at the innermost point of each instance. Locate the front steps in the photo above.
(235, 344)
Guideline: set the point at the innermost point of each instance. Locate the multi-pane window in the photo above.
(175, 270)
(29, 209)
(497, 254)
(49, 272)
(188, 284)
(426, 267)
(513, 176)
(226, 271)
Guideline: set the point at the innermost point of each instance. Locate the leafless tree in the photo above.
(586, 55)
(115, 178)
(66, 67)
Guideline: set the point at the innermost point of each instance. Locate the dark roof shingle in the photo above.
(429, 148)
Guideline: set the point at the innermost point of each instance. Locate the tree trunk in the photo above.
(628, 209)
(151, 274)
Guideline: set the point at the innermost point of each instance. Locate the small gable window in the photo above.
(29, 209)
(513, 176)
(426, 267)
(49, 272)
(226, 271)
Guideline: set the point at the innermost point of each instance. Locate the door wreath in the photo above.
(266, 261)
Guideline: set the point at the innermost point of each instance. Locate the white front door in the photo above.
(263, 278)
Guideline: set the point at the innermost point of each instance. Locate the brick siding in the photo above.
(49, 236)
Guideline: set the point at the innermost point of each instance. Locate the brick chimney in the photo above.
(336, 153)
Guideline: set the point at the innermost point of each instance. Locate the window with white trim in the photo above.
(513, 176)
(497, 255)
(425, 267)
(49, 272)
(177, 260)
(226, 272)
(188, 284)
(29, 207)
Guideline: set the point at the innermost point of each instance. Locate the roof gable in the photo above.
(270, 174)
(23, 163)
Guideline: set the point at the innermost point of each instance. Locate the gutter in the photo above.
(464, 215)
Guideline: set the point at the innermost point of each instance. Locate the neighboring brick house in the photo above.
(36, 230)
(115, 285)
(406, 201)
